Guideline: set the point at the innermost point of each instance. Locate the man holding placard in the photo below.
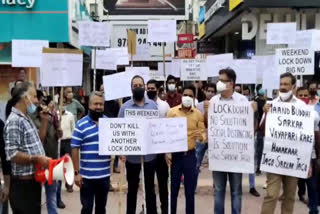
(133, 163)
(231, 141)
(184, 163)
(289, 139)
(93, 174)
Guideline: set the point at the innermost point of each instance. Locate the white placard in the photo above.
(270, 75)
(120, 55)
(281, 33)
(175, 68)
(157, 75)
(129, 136)
(217, 62)
(27, 53)
(259, 69)
(95, 34)
(307, 39)
(162, 30)
(119, 136)
(141, 113)
(298, 61)
(104, 60)
(144, 72)
(231, 137)
(193, 69)
(61, 69)
(246, 70)
(289, 139)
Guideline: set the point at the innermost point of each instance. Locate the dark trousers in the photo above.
(301, 187)
(133, 172)
(183, 163)
(259, 149)
(312, 185)
(25, 196)
(162, 175)
(94, 190)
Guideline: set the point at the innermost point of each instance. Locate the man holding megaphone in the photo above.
(24, 149)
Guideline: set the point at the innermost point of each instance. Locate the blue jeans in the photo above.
(200, 151)
(252, 181)
(183, 163)
(51, 197)
(312, 185)
(220, 181)
(94, 190)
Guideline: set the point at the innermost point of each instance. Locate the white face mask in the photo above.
(187, 101)
(285, 95)
(221, 86)
(171, 87)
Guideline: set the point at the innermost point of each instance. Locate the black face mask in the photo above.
(152, 94)
(95, 115)
(138, 94)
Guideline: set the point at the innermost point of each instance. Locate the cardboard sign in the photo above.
(217, 62)
(193, 69)
(162, 30)
(298, 61)
(27, 53)
(231, 137)
(61, 67)
(132, 42)
(289, 139)
(281, 33)
(95, 34)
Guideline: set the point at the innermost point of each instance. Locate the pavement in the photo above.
(203, 204)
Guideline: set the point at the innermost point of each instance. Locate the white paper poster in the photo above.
(95, 34)
(104, 60)
(246, 71)
(27, 53)
(307, 39)
(157, 75)
(217, 62)
(175, 68)
(270, 75)
(298, 61)
(141, 113)
(61, 69)
(129, 136)
(281, 33)
(193, 69)
(120, 55)
(231, 137)
(162, 30)
(144, 72)
(289, 139)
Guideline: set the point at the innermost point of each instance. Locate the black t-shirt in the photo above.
(111, 108)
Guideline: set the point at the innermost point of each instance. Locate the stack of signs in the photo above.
(289, 139)
(231, 137)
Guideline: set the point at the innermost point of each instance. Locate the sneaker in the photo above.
(61, 205)
(254, 192)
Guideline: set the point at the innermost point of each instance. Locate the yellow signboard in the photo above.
(202, 30)
(234, 3)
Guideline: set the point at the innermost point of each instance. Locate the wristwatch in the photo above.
(76, 172)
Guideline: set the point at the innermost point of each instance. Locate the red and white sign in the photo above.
(185, 38)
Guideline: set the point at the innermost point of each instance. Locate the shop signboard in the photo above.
(234, 3)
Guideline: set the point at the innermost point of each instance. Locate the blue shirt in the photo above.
(130, 104)
(86, 137)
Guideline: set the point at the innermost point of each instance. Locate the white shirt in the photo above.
(235, 97)
(67, 125)
(163, 107)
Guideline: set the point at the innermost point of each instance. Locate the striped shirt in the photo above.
(86, 138)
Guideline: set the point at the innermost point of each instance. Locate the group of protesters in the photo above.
(35, 131)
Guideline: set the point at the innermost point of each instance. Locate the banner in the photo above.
(129, 136)
(231, 137)
(289, 139)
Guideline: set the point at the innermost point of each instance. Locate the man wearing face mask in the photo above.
(133, 162)
(161, 165)
(24, 149)
(274, 181)
(92, 176)
(210, 90)
(225, 88)
(73, 105)
(173, 97)
(313, 91)
(184, 163)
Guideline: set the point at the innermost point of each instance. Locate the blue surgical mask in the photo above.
(32, 108)
(261, 92)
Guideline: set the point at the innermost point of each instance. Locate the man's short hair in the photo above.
(210, 85)
(290, 75)
(311, 82)
(170, 77)
(95, 94)
(190, 87)
(230, 74)
(152, 81)
(20, 91)
(137, 77)
(301, 89)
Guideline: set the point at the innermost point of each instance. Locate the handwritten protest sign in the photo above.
(296, 61)
(246, 70)
(231, 137)
(157, 75)
(162, 30)
(217, 62)
(104, 60)
(289, 139)
(307, 39)
(141, 71)
(27, 53)
(61, 67)
(175, 68)
(193, 69)
(270, 75)
(96, 34)
(281, 33)
(129, 136)
(141, 113)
